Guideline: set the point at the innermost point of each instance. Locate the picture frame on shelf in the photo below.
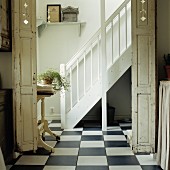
(53, 13)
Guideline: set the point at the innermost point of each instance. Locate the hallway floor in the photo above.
(86, 149)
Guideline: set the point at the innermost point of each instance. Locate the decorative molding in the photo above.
(143, 11)
(25, 14)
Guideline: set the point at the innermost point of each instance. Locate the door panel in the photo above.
(143, 75)
(24, 64)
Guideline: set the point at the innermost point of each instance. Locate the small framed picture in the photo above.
(54, 13)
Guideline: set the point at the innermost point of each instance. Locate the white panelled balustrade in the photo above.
(84, 69)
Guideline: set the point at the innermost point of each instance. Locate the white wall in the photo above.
(6, 70)
(59, 43)
(163, 34)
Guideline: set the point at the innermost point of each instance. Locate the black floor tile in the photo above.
(122, 160)
(56, 121)
(92, 152)
(50, 138)
(116, 144)
(62, 160)
(71, 133)
(92, 168)
(68, 144)
(92, 129)
(39, 151)
(92, 138)
(151, 167)
(142, 153)
(92, 124)
(126, 127)
(113, 133)
(27, 167)
(55, 128)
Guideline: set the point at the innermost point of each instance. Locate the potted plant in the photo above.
(51, 76)
(167, 66)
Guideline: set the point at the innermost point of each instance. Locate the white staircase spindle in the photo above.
(119, 31)
(84, 58)
(98, 65)
(91, 65)
(126, 33)
(71, 90)
(77, 80)
(112, 40)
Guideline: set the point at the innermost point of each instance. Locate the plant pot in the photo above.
(46, 81)
(167, 69)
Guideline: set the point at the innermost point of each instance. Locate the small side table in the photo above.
(43, 123)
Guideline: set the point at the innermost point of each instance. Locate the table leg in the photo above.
(43, 144)
(47, 129)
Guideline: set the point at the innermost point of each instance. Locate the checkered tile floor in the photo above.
(86, 149)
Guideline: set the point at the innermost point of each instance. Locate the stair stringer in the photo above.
(119, 67)
(94, 94)
(84, 106)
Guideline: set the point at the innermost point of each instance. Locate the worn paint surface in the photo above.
(143, 75)
(24, 65)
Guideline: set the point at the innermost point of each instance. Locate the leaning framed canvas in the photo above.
(53, 13)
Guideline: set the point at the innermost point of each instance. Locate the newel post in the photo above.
(62, 98)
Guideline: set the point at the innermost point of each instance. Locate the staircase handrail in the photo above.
(95, 36)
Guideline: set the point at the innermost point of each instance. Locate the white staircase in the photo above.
(84, 69)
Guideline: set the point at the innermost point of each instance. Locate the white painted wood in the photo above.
(71, 93)
(104, 65)
(143, 76)
(119, 68)
(92, 96)
(86, 58)
(84, 105)
(78, 81)
(24, 64)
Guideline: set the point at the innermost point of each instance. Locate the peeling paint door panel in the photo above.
(143, 75)
(24, 65)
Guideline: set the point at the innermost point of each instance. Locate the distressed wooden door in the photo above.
(143, 75)
(24, 73)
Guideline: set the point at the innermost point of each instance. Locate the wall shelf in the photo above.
(42, 25)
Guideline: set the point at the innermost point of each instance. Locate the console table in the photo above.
(164, 125)
(43, 123)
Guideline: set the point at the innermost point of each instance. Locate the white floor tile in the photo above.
(146, 160)
(92, 133)
(92, 160)
(51, 143)
(56, 132)
(119, 151)
(125, 168)
(114, 138)
(66, 151)
(75, 129)
(70, 138)
(114, 128)
(32, 160)
(54, 125)
(125, 132)
(59, 168)
(93, 144)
